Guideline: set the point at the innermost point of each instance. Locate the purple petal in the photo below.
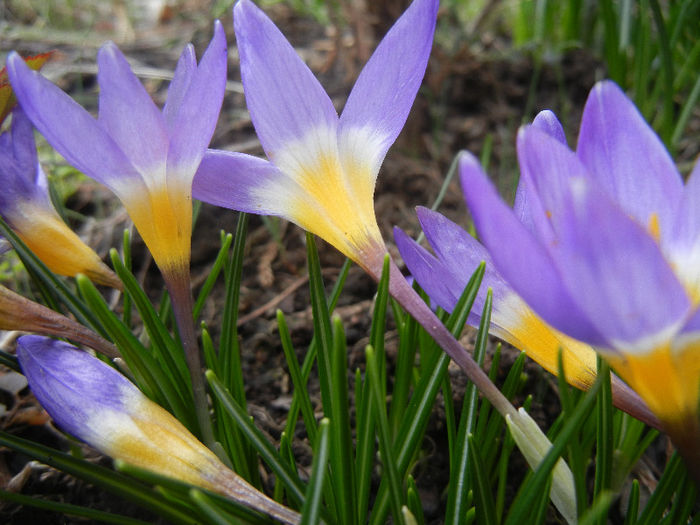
(546, 167)
(520, 258)
(70, 384)
(184, 71)
(195, 119)
(548, 122)
(386, 88)
(242, 182)
(128, 114)
(285, 100)
(431, 273)
(626, 158)
(18, 162)
(23, 146)
(68, 127)
(621, 281)
(685, 234)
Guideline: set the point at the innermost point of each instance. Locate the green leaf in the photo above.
(310, 512)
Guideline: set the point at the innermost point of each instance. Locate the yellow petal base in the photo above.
(164, 220)
(58, 247)
(669, 381)
(542, 343)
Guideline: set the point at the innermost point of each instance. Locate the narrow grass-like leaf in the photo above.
(604, 439)
(342, 458)
(310, 512)
(69, 509)
(106, 478)
(322, 325)
(10, 361)
(598, 511)
(300, 391)
(522, 507)
(148, 373)
(165, 349)
(632, 504)
(226, 240)
(126, 257)
(389, 466)
(485, 505)
(660, 499)
(267, 452)
(459, 462)
(416, 415)
(413, 501)
(378, 329)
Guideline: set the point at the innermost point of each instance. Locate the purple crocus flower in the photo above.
(148, 157)
(26, 207)
(604, 246)
(92, 401)
(444, 276)
(322, 168)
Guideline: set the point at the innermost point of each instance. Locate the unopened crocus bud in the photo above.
(534, 445)
(92, 401)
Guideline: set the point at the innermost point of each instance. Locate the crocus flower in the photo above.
(605, 249)
(322, 168)
(26, 207)
(444, 276)
(93, 402)
(146, 156)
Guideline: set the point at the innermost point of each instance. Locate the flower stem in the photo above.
(178, 284)
(413, 304)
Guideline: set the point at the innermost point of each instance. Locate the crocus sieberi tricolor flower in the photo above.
(27, 208)
(90, 400)
(146, 156)
(444, 276)
(605, 247)
(322, 168)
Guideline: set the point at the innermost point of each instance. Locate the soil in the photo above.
(475, 91)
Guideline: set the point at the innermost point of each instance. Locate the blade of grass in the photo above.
(311, 510)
